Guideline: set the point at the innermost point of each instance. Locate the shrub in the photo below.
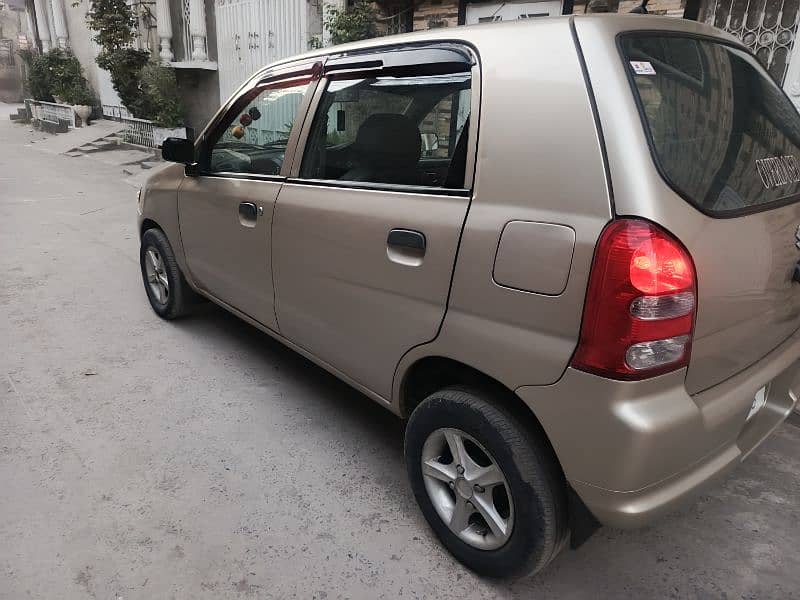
(352, 23)
(69, 84)
(148, 90)
(80, 93)
(161, 86)
(125, 66)
(113, 23)
(38, 82)
(57, 73)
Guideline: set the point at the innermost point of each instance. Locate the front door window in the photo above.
(253, 137)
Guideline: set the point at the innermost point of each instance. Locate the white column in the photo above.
(48, 7)
(197, 29)
(31, 33)
(60, 23)
(42, 25)
(164, 29)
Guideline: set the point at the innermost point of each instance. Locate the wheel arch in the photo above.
(431, 373)
(173, 237)
(148, 224)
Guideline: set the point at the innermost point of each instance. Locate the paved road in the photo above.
(200, 459)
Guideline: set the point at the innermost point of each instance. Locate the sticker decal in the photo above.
(642, 67)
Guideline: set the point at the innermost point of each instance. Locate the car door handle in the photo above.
(248, 213)
(406, 238)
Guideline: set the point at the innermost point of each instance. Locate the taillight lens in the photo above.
(640, 305)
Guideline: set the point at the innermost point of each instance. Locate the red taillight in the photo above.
(640, 304)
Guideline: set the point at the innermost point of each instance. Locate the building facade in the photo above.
(15, 34)
(768, 27)
(214, 45)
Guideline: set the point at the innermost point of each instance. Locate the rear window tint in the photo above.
(723, 133)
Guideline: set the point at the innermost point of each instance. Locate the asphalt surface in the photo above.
(201, 459)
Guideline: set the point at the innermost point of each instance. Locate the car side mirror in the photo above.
(178, 150)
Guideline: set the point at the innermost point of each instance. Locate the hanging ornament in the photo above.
(245, 119)
(254, 113)
(238, 132)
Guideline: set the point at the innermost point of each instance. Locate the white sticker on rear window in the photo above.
(642, 67)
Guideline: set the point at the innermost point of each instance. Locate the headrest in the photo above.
(389, 140)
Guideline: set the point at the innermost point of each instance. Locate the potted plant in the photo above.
(69, 86)
(82, 100)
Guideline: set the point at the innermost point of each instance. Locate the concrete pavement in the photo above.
(201, 459)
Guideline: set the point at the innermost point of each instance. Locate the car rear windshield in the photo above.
(723, 133)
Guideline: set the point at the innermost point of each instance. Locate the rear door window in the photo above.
(401, 130)
(723, 133)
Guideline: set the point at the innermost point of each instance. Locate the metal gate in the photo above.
(767, 27)
(254, 33)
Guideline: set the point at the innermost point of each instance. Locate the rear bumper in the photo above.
(635, 450)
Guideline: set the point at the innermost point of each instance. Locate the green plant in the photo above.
(161, 86)
(56, 73)
(80, 93)
(69, 84)
(148, 90)
(125, 67)
(38, 82)
(352, 23)
(113, 23)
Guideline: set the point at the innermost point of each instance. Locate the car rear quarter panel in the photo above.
(741, 262)
(539, 159)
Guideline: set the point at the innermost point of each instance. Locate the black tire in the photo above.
(180, 295)
(536, 483)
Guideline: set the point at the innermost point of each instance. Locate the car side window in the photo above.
(253, 136)
(405, 130)
(443, 125)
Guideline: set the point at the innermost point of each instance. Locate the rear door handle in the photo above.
(248, 213)
(406, 238)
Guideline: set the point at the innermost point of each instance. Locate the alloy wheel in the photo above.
(467, 488)
(156, 275)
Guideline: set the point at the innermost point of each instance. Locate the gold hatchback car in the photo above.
(566, 251)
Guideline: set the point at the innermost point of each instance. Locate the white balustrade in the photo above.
(164, 30)
(197, 29)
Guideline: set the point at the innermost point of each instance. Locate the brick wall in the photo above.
(431, 14)
(672, 8)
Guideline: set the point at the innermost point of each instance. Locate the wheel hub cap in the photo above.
(464, 488)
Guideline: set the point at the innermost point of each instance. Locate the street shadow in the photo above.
(704, 550)
(379, 425)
